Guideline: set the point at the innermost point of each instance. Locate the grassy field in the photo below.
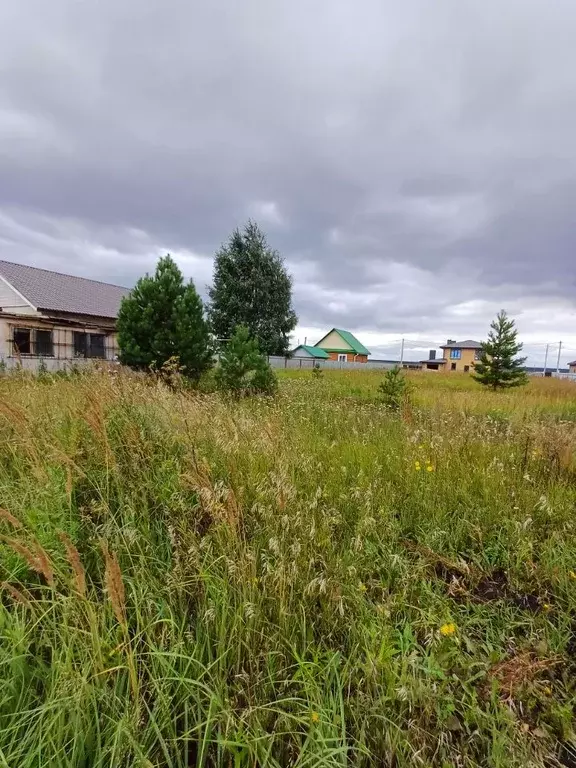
(305, 581)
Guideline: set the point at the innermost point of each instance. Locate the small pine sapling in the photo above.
(394, 389)
(242, 369)
(498, 366)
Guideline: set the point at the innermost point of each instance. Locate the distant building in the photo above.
(413, 365)
(572, 366)
(338, 345)
(458, 356)
(305, 350)
(53, 316)
(343, 346)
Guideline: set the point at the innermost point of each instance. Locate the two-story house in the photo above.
(458, 356)
(55, 317)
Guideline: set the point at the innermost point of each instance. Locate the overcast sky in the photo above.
(414, 162)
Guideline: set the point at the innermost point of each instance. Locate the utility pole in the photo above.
(545, 359)
(402, 354)
(558, 361)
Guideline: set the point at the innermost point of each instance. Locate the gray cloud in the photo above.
(413, 162)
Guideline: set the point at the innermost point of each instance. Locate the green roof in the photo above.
(351, 340)
(314, 351)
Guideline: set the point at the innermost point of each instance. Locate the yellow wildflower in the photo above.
(548, 690)
(417, 466)
(447, 630)
(362, 587)
(572, 575)
(547, 607)
(315, 717)
(430, 468)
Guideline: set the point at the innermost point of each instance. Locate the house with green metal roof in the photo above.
(343, 346)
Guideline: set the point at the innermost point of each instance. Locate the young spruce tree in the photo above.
(498, 366)
(162, 319)
(251, 287)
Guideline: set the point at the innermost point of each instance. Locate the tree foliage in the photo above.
(162, 320)
(251, 287)
(243, 370)
(394, 389)
(498, 366)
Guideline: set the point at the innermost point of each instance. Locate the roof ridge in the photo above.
(63, 274)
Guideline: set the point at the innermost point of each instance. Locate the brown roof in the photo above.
(55, 292)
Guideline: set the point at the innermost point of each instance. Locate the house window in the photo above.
(455, 354)
(96, 346)
(32, 341)
(477, 353)
(44, 346)
(22, 341)
(453, 366)
(342, 358)
(89, 344)
(466, 368)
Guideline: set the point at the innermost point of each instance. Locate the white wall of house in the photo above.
(12, 301)
(334, 341)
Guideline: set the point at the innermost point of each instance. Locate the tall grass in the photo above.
(307, 581)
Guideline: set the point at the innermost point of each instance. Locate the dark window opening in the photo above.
(44, 344)
(453, 366)
(466, 368)
(89, 344)
(80, 344)
(22, 343)
(96, 346)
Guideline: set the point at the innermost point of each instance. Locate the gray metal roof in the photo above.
(467, 344)
(55, 292)
(435, 360)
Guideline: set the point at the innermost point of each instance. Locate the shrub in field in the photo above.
(498, 367)
(243, 370)
(317, 371)
(394, 389)
(163, 320)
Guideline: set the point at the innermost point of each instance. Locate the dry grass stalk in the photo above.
(95, 418)
(45, 565)
(512, 674)
(9, 518)
(15, 415)
(38, 559)
(16, 594)
(24, 553)
(75, 563)
(115, 585)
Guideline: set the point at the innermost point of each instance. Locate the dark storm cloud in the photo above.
(406, 158)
